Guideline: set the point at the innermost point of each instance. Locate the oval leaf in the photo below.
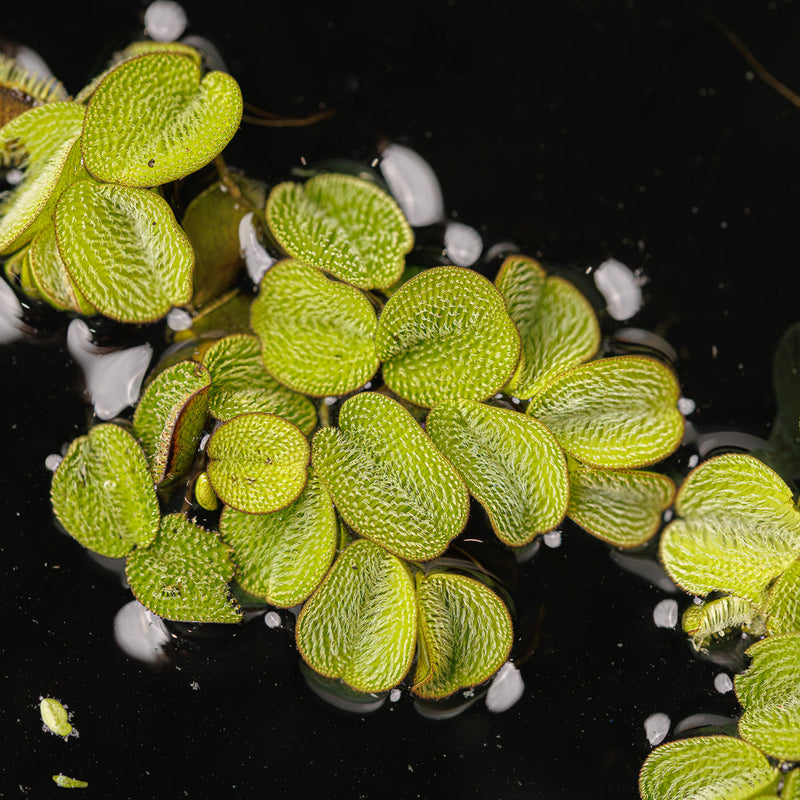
(103, 493)
(511, 464)
(707, 766)
(344, 225)
(316, 335)
(446, 335)
(283, 556)
(360, 625)
(388, 480)
(614, 413)
(769, 691)
(739, 531)
(124, 250)
(152, 120)
(557, 324)
(257, 462)
(170, 417)
(184, 574)
(465, 634)
(621, 507)
(240, 384)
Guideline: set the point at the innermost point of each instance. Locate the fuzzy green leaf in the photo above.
(240, 384)
(446, 335)
(783, 603)
(388, 480)
(465, 634)
(622, 507)
(511, 464)
(257, 462)
(124, 250)
(706, 621)
(184, 574)
(708, 767)
(769, 691)
(103, 493)
(170, 417)
(740, 529)
(557, 325)
(152, 120)
(45, 140)
(791, 786)
(316, 335)
(614, 413)
(360, 625)
(283, 556)
(344, 225)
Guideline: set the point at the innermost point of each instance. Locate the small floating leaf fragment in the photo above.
(65, 782)
(55, 716)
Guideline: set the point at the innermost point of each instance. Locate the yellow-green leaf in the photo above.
(783, 603)
(706, 621)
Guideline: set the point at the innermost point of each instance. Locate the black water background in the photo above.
(578, 130)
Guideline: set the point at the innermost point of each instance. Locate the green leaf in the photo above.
(557, 325)
(283, 556)
(769, 691)
(65, 782)
(784, 438)
(344, 225)
(170, 418)
(103, 493)
(622, 507)
(706, 621)
(446, 335)
(465, 634)
(791, 786)
(50, 273)
(55, 716)
(740, 529)
(204, 494)
(708, 767)
(240, 384)
(184, 574)
(317, 336)
(124, 250)
(388, 480)
(360, 624)
(783, 603)
(257, 462)
(614, 413)
(511, 464)
(152, 120)
(44, 140)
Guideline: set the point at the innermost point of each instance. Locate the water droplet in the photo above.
(506, 689)
(179, 319)
(686, 406)
(723, 683)
(620, 288)
(164, 20)
(52, 461)
(665, 614)
(462, 243)
(552, 539)
(656, 728)
(272, 619)
(413, 183)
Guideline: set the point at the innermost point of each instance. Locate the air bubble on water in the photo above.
(723, 683)
(620, 288)
(14, 176)
(552, 539)
(272, 619)
(395, 695)
(462, 243)
(257, 260)
(165, 20)
(686, 406)
(413, 183)
(52, 461)
(694, 460)
(179, 319)
(656, 728)
(506, 689)
(665, 614)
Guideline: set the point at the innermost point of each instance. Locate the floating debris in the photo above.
(55, 717)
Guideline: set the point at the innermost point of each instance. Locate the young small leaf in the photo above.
(616, 413)
(257, 462)
(557, 325)
(55, 716)
(65, 782)
(769, 691)
(511, 464)
(124, 250)
(344, 225)
(705, 621)
(360, 624)
(184, 574)
(316, 335)
(446, 335)
(170, 417)
(622, 507)
(283, 556)
(240, 384)
(103, 493)
(152, 120)
(465, 634)
(388, 480)
(706, 766)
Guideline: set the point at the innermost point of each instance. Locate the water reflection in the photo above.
(11, 325)
(339, 695)
(646, 567)
(414, 185)
(140, 634)
(113, 376)
(257, 260)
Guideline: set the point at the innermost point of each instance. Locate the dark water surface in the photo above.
(578, 130)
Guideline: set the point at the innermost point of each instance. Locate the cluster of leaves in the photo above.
(234, 422)
(87, 229)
